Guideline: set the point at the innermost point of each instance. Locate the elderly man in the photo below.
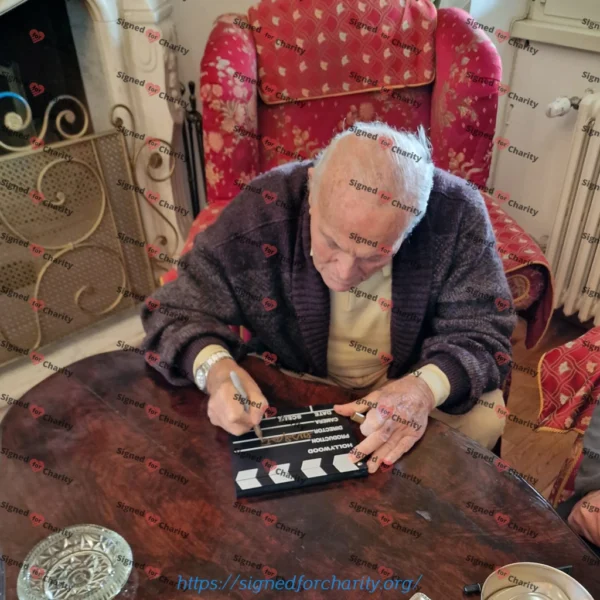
(368, 269)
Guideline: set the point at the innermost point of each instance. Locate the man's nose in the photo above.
(346, 266)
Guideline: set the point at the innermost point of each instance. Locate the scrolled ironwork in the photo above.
(15, 124)
(134, 157)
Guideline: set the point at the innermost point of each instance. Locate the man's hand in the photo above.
(585, 517)
(225, 408)
(396, 420)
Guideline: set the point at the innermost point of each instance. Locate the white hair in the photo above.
(413, 179)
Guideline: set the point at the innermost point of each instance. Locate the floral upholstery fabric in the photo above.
(569, 382)
(244, 137)
(523, 260)
(465, 98)
(326, 48)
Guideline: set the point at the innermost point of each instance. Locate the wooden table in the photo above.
(425, 524)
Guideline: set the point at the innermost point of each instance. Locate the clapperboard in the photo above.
(301, 447)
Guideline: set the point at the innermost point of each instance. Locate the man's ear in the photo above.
(310, 184)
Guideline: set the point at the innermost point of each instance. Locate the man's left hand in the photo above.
(396, 419)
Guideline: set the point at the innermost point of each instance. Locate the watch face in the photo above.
(200, 379)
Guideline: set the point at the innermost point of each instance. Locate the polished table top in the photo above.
(446, 512)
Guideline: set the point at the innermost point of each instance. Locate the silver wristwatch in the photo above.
(201, 375)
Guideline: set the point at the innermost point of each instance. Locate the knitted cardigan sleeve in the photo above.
(474, 316)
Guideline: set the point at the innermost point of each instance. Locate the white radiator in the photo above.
(573, 248)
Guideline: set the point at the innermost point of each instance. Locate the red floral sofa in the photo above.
(278, 83)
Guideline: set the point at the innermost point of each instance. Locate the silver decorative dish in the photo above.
(83, 561)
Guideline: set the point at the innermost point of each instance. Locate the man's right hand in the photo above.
(225, 409)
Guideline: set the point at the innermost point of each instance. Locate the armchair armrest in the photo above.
(228, 80)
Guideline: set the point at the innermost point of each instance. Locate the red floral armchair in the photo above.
(278, 83)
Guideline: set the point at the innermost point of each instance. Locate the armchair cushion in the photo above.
(313, 50)
(290, 132)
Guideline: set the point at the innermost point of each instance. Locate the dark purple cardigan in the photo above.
(446, 278)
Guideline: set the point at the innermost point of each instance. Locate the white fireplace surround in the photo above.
(129, 51)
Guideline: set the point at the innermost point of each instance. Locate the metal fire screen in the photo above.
(65, 212)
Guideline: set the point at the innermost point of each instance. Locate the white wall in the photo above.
(554, 71)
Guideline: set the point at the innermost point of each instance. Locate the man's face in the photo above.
(351, 239)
